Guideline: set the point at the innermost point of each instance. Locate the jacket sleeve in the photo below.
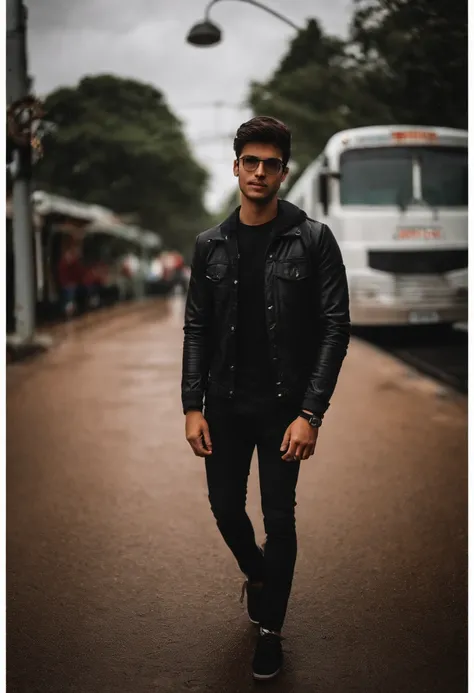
(334, 320)
(197, 321)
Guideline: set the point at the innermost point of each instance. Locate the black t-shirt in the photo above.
(254, 380)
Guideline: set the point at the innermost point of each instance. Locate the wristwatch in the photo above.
(313, 420)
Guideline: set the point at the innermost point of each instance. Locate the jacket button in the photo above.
(232, 368)
(236, 281)
(279, 382)
(231, 392)
(279, 394)
(270, 307)
(232, 328)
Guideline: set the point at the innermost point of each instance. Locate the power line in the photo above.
(241, 106)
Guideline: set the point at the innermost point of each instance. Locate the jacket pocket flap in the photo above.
(216, 271)
(292, 269)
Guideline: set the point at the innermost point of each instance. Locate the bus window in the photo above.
(376, 176)
(384, 176)
(444, 176)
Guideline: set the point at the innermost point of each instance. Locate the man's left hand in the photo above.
(299, 440)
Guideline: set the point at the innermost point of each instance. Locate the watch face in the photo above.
(312, 419)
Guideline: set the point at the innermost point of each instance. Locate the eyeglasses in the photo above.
(271, 166)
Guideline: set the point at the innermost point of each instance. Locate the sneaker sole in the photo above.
(264, 677)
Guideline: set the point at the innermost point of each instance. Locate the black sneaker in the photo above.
(254, 593)
(268, 657)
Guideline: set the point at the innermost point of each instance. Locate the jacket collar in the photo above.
(288, 219)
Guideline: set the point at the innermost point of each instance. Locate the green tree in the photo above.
(118, 145)
(405, 62)
(414, 55)
(317, 90)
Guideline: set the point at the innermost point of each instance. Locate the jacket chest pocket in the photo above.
(292, 271)
(292, 292)
(217, 273)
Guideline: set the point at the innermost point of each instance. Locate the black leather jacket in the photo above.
(307, 311)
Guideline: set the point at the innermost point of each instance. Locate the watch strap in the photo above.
(313, 419)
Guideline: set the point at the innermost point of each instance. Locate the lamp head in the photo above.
(204, 34)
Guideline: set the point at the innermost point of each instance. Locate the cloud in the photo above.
(146, 40)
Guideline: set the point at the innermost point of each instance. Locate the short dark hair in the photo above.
(264, 129)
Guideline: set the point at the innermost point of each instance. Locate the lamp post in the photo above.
(17, 92)
(206, 33)
(24, 117)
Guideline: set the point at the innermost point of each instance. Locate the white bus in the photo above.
(396, 199)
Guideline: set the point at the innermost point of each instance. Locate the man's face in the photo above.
(261, 184)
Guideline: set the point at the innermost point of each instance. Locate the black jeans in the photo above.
(234, 434)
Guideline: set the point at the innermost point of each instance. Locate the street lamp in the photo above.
(206, 33)
(19, 120)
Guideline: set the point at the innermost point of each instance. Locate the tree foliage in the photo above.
(415, 53)
(118, 145)
(317, 90)
(405, 62)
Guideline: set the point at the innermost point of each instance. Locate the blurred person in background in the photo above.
(92, 282)
(131, 272)
(265, 333)
(181, 278)
(70, 273)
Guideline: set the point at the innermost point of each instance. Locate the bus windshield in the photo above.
(384, 176)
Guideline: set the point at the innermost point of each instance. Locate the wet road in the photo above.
(117, 578)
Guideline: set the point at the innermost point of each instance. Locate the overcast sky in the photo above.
(145, 40)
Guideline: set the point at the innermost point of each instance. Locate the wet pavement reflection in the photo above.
(117, 578)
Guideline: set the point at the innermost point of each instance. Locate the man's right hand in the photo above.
(197, 434)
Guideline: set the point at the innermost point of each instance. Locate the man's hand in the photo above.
(197, 434)
(299, 440)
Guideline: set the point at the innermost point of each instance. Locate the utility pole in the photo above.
(17, 91)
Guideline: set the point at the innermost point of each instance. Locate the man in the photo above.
(266, 331)
(70, 272)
